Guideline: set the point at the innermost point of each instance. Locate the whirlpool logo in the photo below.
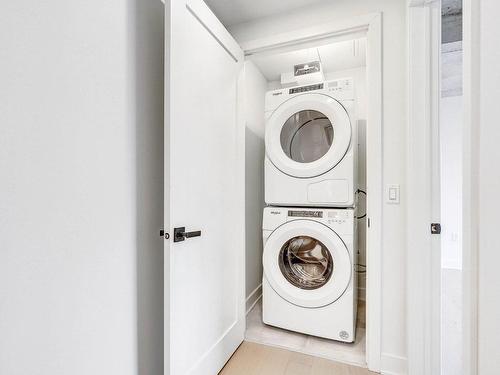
(275, 212)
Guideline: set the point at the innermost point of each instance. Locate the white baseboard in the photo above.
(253, 298)
(393, 365)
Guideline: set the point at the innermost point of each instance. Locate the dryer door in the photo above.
(307, 263)
(308, 135)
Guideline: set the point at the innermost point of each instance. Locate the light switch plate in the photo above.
(392, 194)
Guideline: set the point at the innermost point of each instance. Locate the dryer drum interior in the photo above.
(306, 136)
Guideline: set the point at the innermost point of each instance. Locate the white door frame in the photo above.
(470, 189)
(423, 250)
(369, 25)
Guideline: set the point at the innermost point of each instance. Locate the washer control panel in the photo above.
(303, 213)
(341, 220)
(338, 217)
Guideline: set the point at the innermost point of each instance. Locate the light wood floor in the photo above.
(256, 359)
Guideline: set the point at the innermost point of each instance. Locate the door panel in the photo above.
(203, 170)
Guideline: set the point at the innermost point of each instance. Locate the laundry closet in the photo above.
(306, 174)
(269, 190)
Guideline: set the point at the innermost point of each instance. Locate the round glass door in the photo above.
(306, 136)
(305, 262)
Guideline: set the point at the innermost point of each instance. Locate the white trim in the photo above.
(423, 283)
(419, 3)
(214, 27)
(253, 298)
(393, 364)
(470, 197)
(374, 188)
(423, 206)
(435, 104)
(371, 26)
(166, 191)
(241, 186)
(314, 33)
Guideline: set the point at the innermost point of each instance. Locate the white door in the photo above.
(204, 192)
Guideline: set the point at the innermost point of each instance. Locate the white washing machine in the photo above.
(309, 281)
(311, 145)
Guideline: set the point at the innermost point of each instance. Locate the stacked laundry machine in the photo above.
(309, 224)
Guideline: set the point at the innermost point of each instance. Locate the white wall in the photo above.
(81, 187)
(488, 186)
(394, 144)
(255, 89)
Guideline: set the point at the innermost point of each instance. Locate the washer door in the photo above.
(308, 135)
(307, 263)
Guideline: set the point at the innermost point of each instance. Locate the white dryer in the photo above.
(309, 281)
(311, 145)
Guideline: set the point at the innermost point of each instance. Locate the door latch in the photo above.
(435, 228)
(180, 234)
(164, 234)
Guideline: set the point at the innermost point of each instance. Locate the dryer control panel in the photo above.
(340, 85)
(339, 89)
(296, 90)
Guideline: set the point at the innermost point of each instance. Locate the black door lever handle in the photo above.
(180, 234)
(196, 233)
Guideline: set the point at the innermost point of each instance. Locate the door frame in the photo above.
(369, 26)
(470, 184)
(423, 277)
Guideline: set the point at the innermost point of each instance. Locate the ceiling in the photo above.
(334, 57)
(232, 12)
